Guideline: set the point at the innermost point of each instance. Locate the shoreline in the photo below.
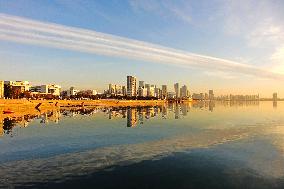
(10, 103)
(23, 106)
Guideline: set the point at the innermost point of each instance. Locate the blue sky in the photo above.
(247, 32)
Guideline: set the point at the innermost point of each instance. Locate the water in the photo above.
(200, 145)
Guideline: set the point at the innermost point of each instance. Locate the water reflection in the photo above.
(134, 115)
(249, 134)
(274, 104)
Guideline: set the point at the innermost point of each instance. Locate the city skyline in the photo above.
(224, 62)
(131, 88)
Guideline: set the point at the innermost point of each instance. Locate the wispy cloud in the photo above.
(164, 8)
(21, 30)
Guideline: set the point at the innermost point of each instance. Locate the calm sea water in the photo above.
(202, 145)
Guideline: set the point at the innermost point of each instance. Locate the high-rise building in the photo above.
(142, 92)
(184, 92)
(114, 89)
(111, 88)
(131, 86)
(171, 95)
(211, 95)
(176, 87)
(141, 84)
(152, 91)
(206, 97)
(148, 90)
(124, 92)
(164, 92)
(274, 97)
(157, 92)
(1, 89)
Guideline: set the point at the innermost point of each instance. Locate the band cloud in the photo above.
(22, 30)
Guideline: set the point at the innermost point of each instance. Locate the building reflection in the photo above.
(131, 117)
(211, 105)
(275, 104)
(134, 115)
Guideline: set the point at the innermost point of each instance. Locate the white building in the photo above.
(46, 89)
(54, 89)
(142, 92)
(115, 89)
(142, 84)
(94, 92)
(22, 85)
(72, 91)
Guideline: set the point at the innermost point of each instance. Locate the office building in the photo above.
(197, 96)
(47, 89)
(15, 88)
(243, 97)
(206, 97)
(150, 90)
(156, 92)
(184, 92)
(164, 92)
(131, 86)
(142, 92)
(171, 95)
(274, 97)
(147, 87)
(211, 95)
(124, 92)
(72, 91)
(22, 86)
(176, 87)
(141, 84)
(114, 89)
(53, 89)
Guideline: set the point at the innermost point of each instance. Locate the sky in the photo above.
(228, 46)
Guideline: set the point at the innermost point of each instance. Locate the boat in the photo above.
(8, 112)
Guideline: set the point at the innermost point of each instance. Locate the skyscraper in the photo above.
(176, 87)
(275, 97)
(211, 95)
(131, 86)
(147, 87)
(183, 92)
(123, 88)
(164, 92)
(141, 84)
